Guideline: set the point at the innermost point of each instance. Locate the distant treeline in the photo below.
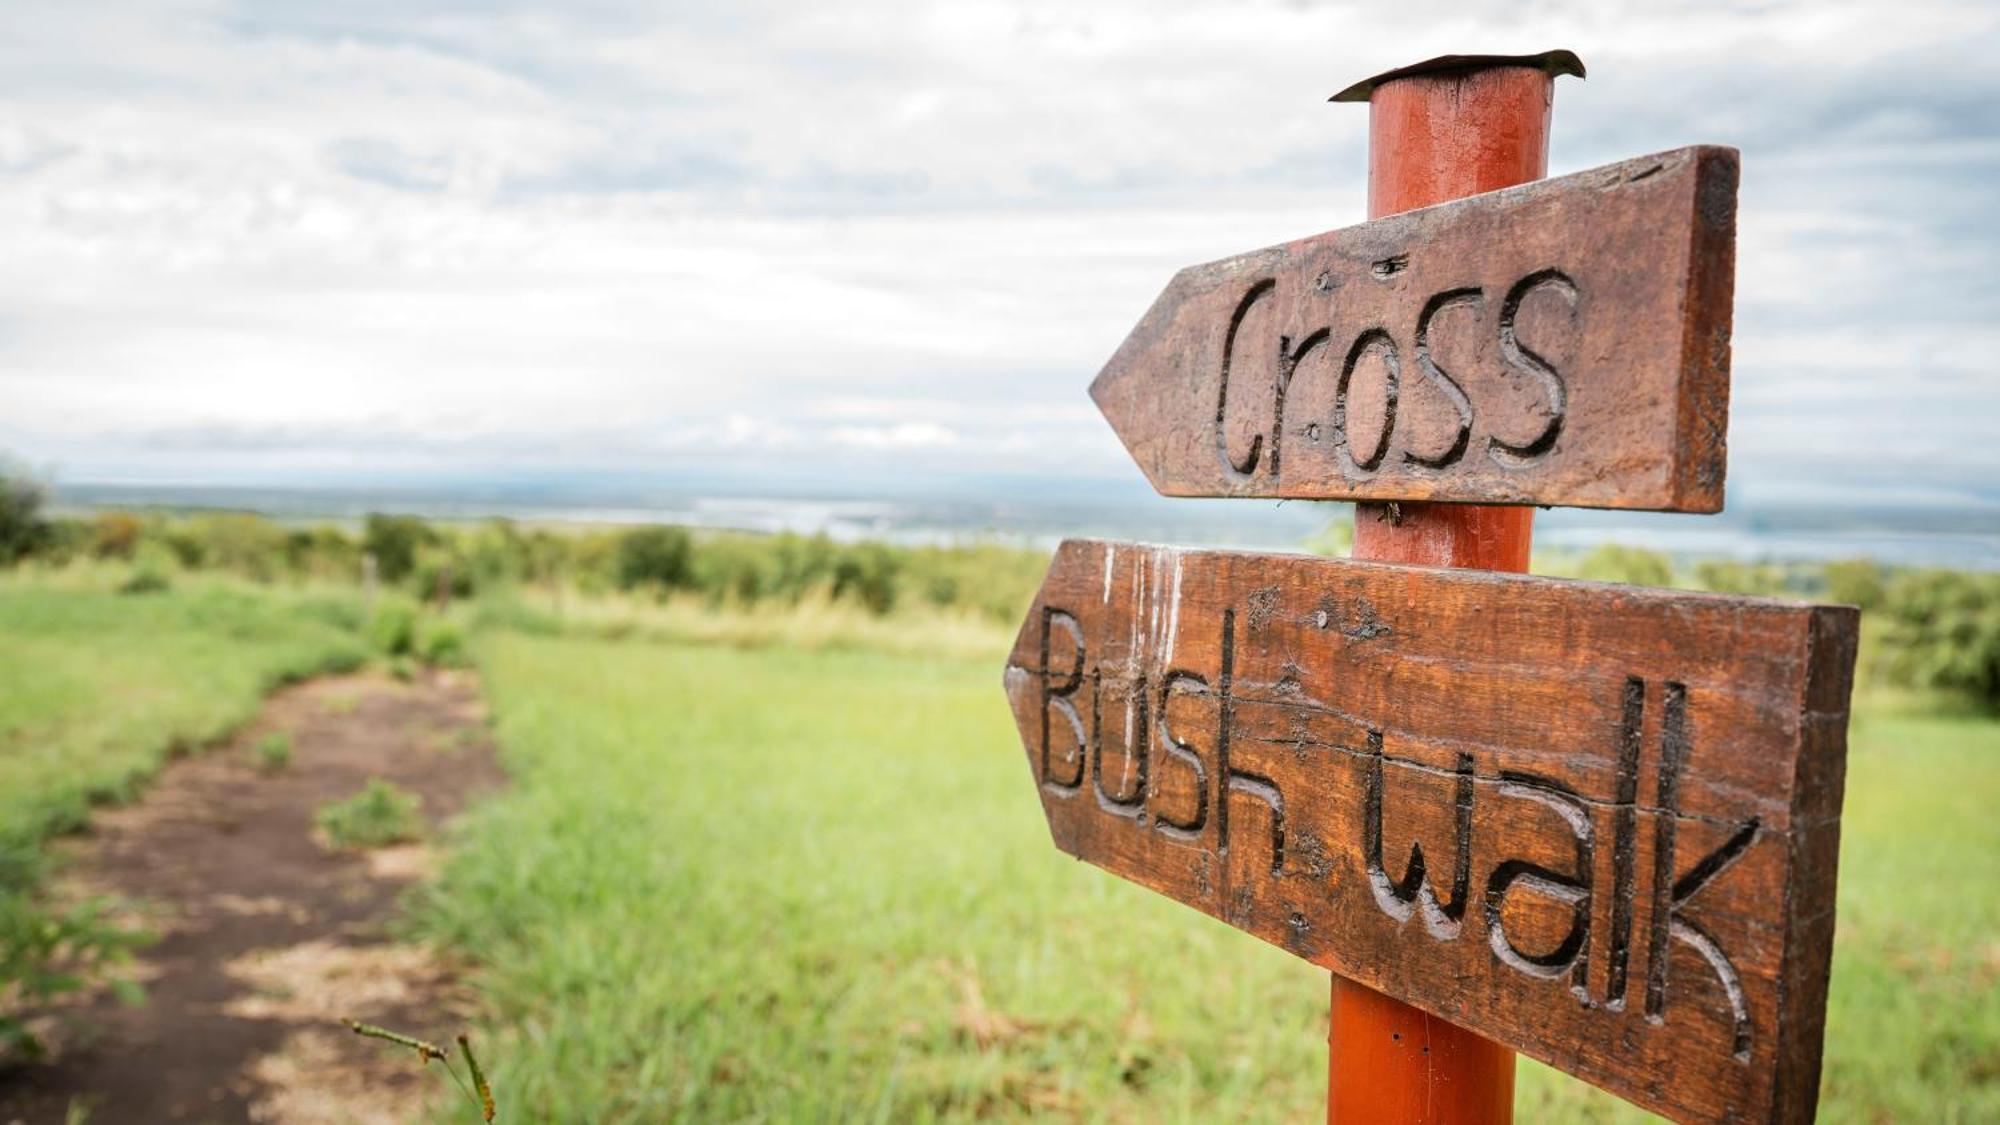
(466, 559)
(1926, 627)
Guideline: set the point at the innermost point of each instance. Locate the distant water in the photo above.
(1040, 512)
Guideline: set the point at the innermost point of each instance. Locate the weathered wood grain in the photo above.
(1595, 823)
(1563, 342)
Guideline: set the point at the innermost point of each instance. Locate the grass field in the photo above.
(747, 873)
(736, 884)
(773, 884)
(98, 687)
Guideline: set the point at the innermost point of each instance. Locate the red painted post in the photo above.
(1392, 1064)
(1436, 135)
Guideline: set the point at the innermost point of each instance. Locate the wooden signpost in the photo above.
(1564, 342)
(1595, 824)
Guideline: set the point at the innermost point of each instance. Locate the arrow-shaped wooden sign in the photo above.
(1563, 342)
(1595, 823)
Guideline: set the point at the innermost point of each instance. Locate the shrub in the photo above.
(323, 552)
(115, 535)
(441, 645)
(394, 630)
(803, 563)
(545, 556)
(64, 540)
(343, 613)
(152, 571)
(995, 581)
(247, 544)
(1856, 582)
(736, 568)
(594, 562)
(394, 541)
(495, 553)
(186, 543)
(1727, 576)
(437, 568)
(22, 530)
(1633, 566)
(660, 557)
(1943, 632)
(380, 815)
(866, 574)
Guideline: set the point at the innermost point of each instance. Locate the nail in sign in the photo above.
(1597, 824)
(1563, 342)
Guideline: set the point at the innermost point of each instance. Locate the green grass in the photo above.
(736, 884)
(1916, 1004)
(783, 885)
(97, 688)
(100, 687)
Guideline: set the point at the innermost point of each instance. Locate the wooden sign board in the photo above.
(1597, 824)
(1563, 342)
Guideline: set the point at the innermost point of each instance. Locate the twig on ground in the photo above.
(425, 1051)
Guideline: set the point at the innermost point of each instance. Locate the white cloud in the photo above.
(242, 239)
(906, 435)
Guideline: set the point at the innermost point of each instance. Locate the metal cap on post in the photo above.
(1439, 130)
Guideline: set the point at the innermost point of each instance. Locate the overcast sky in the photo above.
(305, 240)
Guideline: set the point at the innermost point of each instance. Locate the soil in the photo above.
(268, 937)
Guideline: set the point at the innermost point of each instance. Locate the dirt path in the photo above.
(268, 937)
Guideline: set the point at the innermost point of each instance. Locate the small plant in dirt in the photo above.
(473, 1085)
(403, 669)
(379, 815)
(46, 952)
(274, 751)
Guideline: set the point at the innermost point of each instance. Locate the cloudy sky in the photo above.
(309, 241)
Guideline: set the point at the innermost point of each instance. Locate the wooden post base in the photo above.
(1419, 1070)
